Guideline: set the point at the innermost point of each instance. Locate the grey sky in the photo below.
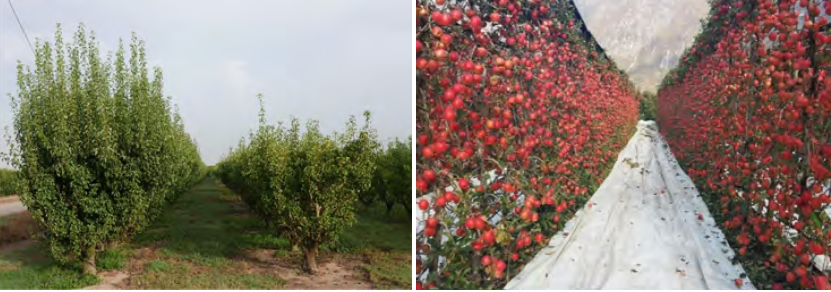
(321, 60)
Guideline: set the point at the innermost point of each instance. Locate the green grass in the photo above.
(204, 229)
(194, 244)
(389, 270)
(203, 224)
(386, 242)
(158, 266)
(197, 239)
(172, 274)
(111, 259)
(373, 230)
(30, 268)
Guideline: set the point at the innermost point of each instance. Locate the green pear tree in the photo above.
(99, 149)
(303, 183)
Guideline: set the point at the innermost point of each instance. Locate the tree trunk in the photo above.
(389, 207)
(89, 261)
(367, 202)
(409, 209)
(113, 245)
(311, 259)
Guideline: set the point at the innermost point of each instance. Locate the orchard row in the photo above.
(305, 185)
(99, 149)
(100, 152)
(8, 181)
(748, 114)
(519, 115)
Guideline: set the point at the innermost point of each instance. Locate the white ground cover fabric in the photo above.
(640, 230)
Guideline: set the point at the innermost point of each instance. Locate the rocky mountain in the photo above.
(644, 37)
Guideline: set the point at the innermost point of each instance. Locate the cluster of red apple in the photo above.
(748, 112)
(518, 116)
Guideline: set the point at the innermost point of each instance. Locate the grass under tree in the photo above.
(208, 239)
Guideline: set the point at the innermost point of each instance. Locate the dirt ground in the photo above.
(16, 228)
(9, 199)
(191, 248)
(336, 272)
(11, 206)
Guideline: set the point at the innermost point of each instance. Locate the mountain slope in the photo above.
(644, 37)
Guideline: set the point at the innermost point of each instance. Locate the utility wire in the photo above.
(21, 27)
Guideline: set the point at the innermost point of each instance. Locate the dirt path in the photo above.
(335, 273)
(646, 227)
(7, 199)
(11, 205)
(18, 245)
(109, 281)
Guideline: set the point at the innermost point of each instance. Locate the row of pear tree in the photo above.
(392, 179)
(100, 150)
(305, 184)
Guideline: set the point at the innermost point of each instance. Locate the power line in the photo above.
(21, 27)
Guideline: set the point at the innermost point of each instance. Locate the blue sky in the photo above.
(323, 60)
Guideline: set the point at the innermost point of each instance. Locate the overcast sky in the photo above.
(321, 60)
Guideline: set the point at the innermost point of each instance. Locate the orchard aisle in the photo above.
(11, 207)
(646, 227)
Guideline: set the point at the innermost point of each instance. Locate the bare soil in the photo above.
(111, 280)
(9, 199)
(337, 272)
(16, 228)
